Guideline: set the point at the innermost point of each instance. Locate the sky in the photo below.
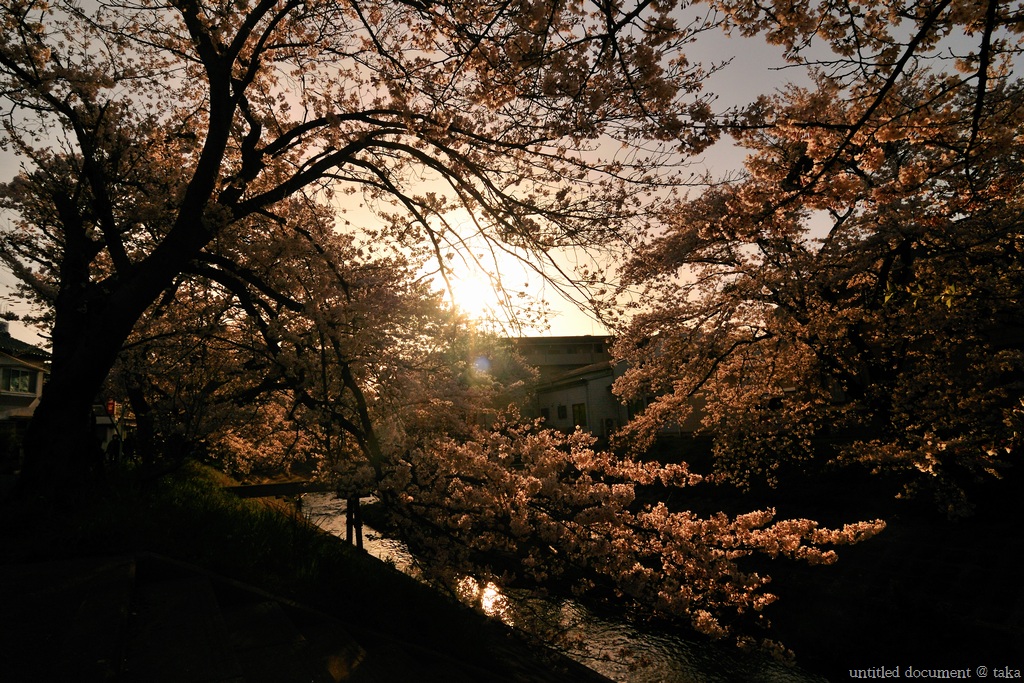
(752, 71)
(749, 74)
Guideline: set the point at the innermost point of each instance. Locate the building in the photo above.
(23, 370)
(574, 388)
(582, 398)
(554, 356)
(574, 382)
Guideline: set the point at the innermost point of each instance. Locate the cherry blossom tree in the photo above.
(184, 380)
(528, 506)
(147, 130)
(862, 280)
(863, 275)
(299, 342)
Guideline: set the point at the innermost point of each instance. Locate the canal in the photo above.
(621, 651)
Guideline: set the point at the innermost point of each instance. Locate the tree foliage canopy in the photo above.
(544, 508)
(151, 130)
(862, 279)
(187, 167)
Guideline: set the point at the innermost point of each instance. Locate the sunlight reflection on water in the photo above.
(488, 597)
(613, 648)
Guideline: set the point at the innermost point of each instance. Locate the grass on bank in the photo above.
(188, 517)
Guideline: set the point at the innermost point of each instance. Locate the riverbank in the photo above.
(604, 639)
(927, 593)
(395, 621)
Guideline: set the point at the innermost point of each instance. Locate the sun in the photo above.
(474, 294)
(499, 286)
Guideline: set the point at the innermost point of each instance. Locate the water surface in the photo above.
(614, 648)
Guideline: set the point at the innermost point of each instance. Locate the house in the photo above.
(23, 369)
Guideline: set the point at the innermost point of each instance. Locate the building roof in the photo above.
(19, 349)
(576, 375)
(589, 344)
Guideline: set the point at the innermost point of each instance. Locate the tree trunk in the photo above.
(62, 453)
(145, 432)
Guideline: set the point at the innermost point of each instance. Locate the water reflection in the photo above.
(613, 648)
(488, 598)
(327, 511)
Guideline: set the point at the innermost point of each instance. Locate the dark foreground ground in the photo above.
(154, 620)
(93, 594)
(251, 595)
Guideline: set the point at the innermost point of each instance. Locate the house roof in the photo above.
(19, 349)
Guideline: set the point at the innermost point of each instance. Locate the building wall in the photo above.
(555, 406)
(592, 389)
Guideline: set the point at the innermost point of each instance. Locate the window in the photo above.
(561, 412)
(545, 413)
(579, 414)
(18, 380)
